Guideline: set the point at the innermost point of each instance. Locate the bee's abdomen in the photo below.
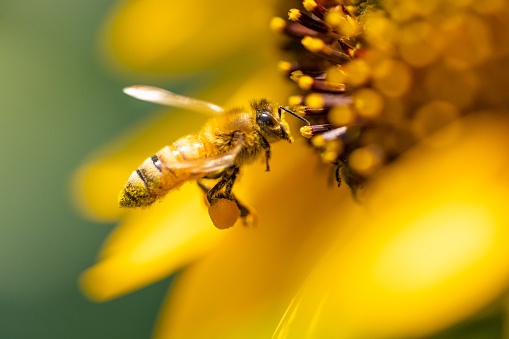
(158, 174)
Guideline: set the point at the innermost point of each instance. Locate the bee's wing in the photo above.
(212, 164)
(164, 97)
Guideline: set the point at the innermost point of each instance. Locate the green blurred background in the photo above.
(58, 103)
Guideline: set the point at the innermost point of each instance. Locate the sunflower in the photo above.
(408, 115)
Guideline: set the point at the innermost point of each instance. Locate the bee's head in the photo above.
(271, 121)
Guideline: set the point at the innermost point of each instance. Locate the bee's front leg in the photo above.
(266, 146)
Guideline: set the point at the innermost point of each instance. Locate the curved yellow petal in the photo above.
(178, 36)
(431, 248)
(151, 244)
(239, 290)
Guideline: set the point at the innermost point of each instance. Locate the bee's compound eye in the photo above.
(267, 119)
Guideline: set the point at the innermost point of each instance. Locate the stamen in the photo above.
(326, 100)
(318, 10)
(287, 67)
(294, 30)
(306, 21)
(311, 131)
(343, 23)
(333, 134)
(308, 83)
(319, 47)
(305, 82)
(309, 5)
(295, 100)
(314, 111)
(332, 150)
(278, 24)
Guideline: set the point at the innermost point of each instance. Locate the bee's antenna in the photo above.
(294, 114)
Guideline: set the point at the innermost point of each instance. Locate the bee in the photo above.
(232, 139)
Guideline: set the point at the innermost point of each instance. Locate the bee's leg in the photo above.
(266, 147)
(244, 211)
(214, 175)
(228, 179)
(222, 190)
(204, 187)
(226, 182)
(337, 174)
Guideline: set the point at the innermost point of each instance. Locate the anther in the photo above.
(307, 21)
(319, 47)
(318, 10)
(311, 131)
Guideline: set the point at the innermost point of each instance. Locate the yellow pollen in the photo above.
(309, 5)
(300, 110)
(314, 100)
(294, 100)
(295, 76)
(306, 132)
(329, 156)
(364, 160)
(305, 82)
(224, 213)
(368, 103)
(318, 141)
(284, 66)
(294, 14)
(332, 150)
(336, 74)
(341, 115)
(277, 24)
(314, 45)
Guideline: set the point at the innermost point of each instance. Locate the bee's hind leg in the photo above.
(216, 193)
(227, 180)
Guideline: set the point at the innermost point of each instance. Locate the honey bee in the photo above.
(232, 139)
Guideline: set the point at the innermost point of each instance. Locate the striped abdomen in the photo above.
(155, 177)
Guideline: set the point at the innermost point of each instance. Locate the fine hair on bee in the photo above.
(230, 140)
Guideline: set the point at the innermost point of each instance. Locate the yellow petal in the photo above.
(431, 247)
(178, 36)
(151, 244)
(253, 272)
